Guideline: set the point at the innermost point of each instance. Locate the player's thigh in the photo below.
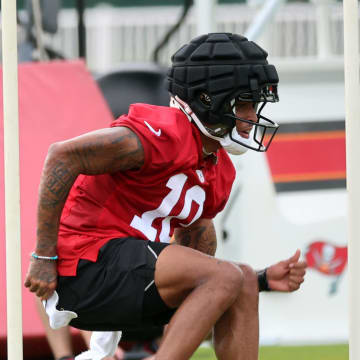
(180, 269)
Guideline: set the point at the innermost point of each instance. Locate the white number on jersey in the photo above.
(176, 184)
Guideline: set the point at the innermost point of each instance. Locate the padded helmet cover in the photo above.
(221, 66)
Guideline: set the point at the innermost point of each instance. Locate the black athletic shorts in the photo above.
(118, 291)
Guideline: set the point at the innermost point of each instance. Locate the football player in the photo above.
(110, 201)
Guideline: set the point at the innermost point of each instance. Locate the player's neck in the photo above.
(209, 146)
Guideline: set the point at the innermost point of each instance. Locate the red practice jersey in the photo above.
(174, 188)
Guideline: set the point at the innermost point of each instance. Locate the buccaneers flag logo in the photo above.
(328, 259)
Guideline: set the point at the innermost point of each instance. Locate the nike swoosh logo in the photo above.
(156, 132)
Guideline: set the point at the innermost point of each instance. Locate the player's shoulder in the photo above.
(171, 120)
(165, 133)
(156, 122)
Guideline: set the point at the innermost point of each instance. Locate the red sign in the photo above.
(326, 258)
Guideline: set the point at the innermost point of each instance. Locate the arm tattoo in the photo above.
(134, 158)
(202, 238)
(107, 154)
(57, 180)
(99, 152)
(57, 183)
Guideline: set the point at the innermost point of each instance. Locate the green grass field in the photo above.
(325, 352)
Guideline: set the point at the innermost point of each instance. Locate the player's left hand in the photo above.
(287, 275)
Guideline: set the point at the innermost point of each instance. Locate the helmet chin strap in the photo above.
(229, 145)
(186, 109)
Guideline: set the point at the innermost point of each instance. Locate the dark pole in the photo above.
(80, 7)
(186, 7)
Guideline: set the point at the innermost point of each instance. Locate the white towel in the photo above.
(102, 343)
(57, 319)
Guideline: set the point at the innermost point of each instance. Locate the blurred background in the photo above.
(291, 197)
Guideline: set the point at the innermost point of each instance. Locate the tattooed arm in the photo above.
(200, 236)
(99, 152)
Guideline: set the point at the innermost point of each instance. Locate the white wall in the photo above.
(265, 227)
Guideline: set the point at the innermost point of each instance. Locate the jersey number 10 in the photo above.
(176, 183)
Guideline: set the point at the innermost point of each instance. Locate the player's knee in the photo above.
(231, 280)
(249, 289)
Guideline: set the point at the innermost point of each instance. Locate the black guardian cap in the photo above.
(214, 69)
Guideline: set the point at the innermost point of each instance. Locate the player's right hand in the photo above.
(41, 278)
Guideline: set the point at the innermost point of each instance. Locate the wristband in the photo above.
(262, 281)
(37, 257)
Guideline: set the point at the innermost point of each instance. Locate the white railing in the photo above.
(117, 35)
